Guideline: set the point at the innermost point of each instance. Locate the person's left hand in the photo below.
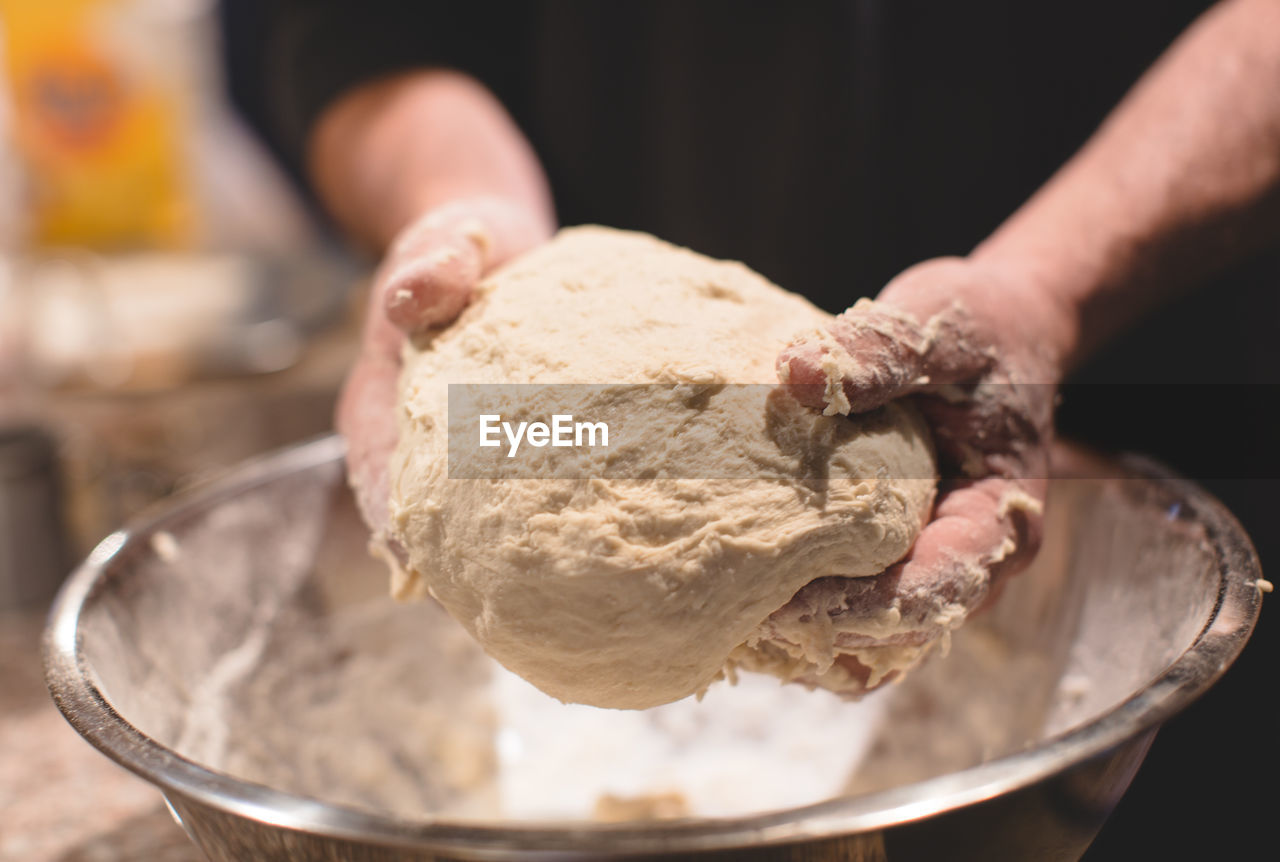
(973, 349)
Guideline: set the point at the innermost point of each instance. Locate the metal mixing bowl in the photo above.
(238, 651)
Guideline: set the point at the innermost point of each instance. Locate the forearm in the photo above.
(392, 149)
(1181, 179)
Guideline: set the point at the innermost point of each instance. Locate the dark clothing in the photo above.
(829, 145)
(826, 144)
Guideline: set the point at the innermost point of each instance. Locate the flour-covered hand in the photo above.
(426, 280)
(967, 345)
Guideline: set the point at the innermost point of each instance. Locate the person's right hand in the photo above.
(425, 280)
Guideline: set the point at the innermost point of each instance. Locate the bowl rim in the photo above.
(88, 710)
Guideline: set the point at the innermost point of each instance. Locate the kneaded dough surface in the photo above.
(623, 592)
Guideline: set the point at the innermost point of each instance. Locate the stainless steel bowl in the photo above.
(238, 651)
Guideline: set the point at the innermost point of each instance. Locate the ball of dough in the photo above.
(632, 581)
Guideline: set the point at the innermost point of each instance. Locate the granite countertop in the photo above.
(62, 801)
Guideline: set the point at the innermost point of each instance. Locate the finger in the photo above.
(434, 265)
(427, 282)
(865, 357)
(981, 532)
(877, 351)
(874, 353)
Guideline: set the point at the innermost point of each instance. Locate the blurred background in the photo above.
(167, 304)
(170, 306)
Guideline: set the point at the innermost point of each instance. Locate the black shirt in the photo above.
(826, 144)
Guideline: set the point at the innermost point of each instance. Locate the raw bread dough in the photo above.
(632, 591)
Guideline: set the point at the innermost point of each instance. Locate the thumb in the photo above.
(434, 264)
(917, 333)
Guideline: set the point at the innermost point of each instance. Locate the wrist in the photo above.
(1036, 297)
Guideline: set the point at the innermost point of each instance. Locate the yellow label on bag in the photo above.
(100, 133)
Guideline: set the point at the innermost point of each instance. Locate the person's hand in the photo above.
(972, 347)
(426, 280)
